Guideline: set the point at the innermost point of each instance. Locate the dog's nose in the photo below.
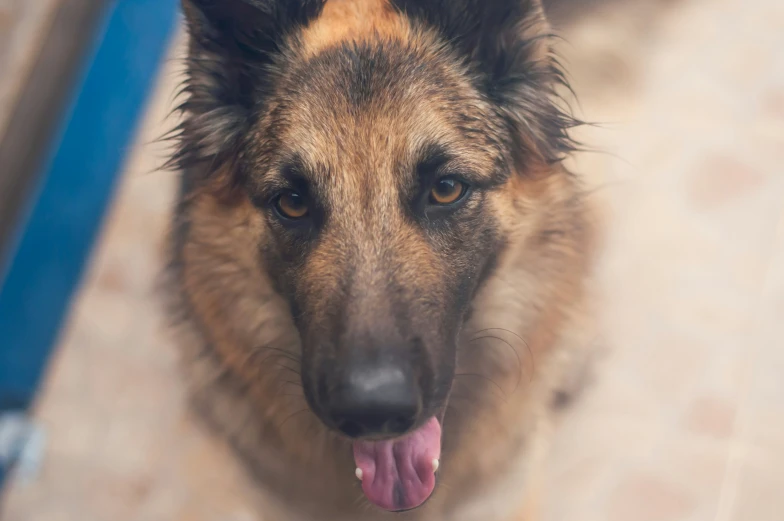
(375, 400)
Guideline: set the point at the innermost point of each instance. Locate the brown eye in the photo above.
(447, 190)
(292, 205)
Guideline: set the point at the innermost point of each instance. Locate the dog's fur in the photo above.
(359, 97)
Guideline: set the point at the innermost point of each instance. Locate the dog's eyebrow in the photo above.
(292, 167)
(436, 160)
(290, 172)
(433, 157)
(294, 170)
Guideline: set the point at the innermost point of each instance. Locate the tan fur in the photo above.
(538, 294)
(352, 21)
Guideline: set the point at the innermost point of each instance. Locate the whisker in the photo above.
(486, 379)
(268, 359)
(282, 352)
(293, 395)
(482, 331)
(517, 355)
(454, 396)
(314, 424)
(302, 411)
(524, 341)
(290, 369)
(359, 501)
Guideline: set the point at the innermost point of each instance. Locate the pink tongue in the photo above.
(398, 474)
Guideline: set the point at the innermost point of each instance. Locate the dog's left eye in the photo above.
(447, 190)
(291, 205)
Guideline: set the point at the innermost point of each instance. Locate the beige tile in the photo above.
(758, 497)
(711, 416)
(753, 487)
(697, 465)
(722, 178)
(647, 497)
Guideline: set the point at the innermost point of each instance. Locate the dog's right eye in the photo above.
(447, 190)
(291, 205)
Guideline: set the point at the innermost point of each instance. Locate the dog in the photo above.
(379, 264)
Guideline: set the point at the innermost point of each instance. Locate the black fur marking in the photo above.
(501, 41)
(234, 45)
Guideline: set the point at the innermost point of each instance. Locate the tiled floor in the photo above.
(685, 420)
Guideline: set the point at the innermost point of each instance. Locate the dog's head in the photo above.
(384, 144)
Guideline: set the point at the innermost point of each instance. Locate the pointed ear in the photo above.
(484, 30)
(231, 49)
(254, 26)
(508, 44)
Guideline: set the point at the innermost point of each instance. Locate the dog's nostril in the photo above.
(375, 424)
(375, 401)
(350, 428)
(399, 424)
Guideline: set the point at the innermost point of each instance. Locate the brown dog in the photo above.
(378, 260)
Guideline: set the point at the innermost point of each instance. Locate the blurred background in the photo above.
(684, 420)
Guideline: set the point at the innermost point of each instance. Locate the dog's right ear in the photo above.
(508, 43)
(232, 46)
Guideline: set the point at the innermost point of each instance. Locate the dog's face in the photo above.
(378, 202)
(383, 145)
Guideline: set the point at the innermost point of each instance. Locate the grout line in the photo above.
(738, 448)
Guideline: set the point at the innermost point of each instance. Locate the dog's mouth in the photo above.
(400, 474)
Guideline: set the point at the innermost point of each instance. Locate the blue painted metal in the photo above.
(77, 187)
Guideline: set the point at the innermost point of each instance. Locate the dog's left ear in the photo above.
(491, 32)
(508, 45)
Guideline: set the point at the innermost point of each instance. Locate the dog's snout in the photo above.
(379, 399)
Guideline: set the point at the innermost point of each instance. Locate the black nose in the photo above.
(375, 399)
